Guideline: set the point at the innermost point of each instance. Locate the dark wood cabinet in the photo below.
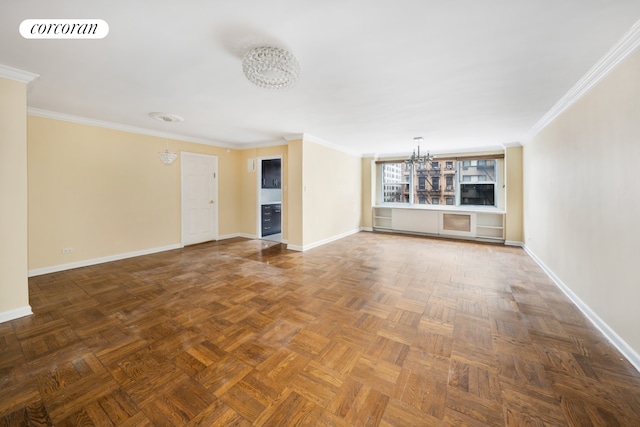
(271, 173)
(271, 219)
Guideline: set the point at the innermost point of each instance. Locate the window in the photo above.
(477, 180)
(395, 183)
(449, 182)
(470, 182)
(421, 183)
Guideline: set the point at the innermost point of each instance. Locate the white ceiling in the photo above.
(374, 74)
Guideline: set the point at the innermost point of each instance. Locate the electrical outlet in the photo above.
(67, 250)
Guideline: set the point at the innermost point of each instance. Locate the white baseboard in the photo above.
(627, 351)
(513, 243)
(101, 260)
(15, 314)
(233, 235)
(322, 242)
(366, 228)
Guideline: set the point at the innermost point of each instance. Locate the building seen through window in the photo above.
(446, 182)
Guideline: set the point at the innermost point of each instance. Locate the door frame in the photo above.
(183, 192)
(259, 193)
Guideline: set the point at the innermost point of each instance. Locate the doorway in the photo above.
(199, 195)
(270, 198)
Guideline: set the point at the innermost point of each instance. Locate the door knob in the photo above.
(211, 202)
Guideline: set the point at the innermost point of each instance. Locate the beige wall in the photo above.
(332, 193)
(105, 192)
(581, 198)
(295, 188)
(513, 173)
(368, 191)
(14, 291)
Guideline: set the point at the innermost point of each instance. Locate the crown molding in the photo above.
(623, 48)
(512, 144)
(17, 75)
(125, 128)
(264, 144)
(320, 141)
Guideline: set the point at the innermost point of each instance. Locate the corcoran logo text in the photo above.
(64, 29)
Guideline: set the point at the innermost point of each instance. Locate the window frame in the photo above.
(461, 164)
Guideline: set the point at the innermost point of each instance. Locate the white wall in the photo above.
(582, 200)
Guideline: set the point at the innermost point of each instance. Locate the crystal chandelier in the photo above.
(270, 67)
(416, 158)
(167, 157)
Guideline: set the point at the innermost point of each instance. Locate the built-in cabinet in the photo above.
(270, 198)
(271, 173)
(271, 219)
(479, 225)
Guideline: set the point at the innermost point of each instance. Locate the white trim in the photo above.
(16, 74)
(322, 242)
(101, 260)
(366, 229)
(264, 144)
(15, 314)
(513, 243)
(125, 128)
(627, 351)
(511, 144)
(234, 235)
(320, 141)
(623, 48)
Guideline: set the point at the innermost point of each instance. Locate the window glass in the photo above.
(395, 182)
(449, 182)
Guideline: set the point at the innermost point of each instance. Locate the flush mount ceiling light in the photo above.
(270, 67)
(166, 117)
(167, 157)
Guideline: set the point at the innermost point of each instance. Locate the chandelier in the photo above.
(270, 67)
(415, 157)
(167, 157)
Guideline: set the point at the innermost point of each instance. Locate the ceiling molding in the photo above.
(319, 141)
(294, 137)
(623, 48)
(512, 144)
(125, 128)
(265, 144)
(16, 74)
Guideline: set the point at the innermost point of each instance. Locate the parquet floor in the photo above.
(374, 329)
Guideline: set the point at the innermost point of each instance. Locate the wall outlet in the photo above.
(67, 250)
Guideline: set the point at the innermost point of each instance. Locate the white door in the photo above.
(199, 177)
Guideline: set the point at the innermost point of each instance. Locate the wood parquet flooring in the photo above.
(371, 330)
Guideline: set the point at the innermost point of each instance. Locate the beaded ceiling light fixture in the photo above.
(270, 67)
(167, 157)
